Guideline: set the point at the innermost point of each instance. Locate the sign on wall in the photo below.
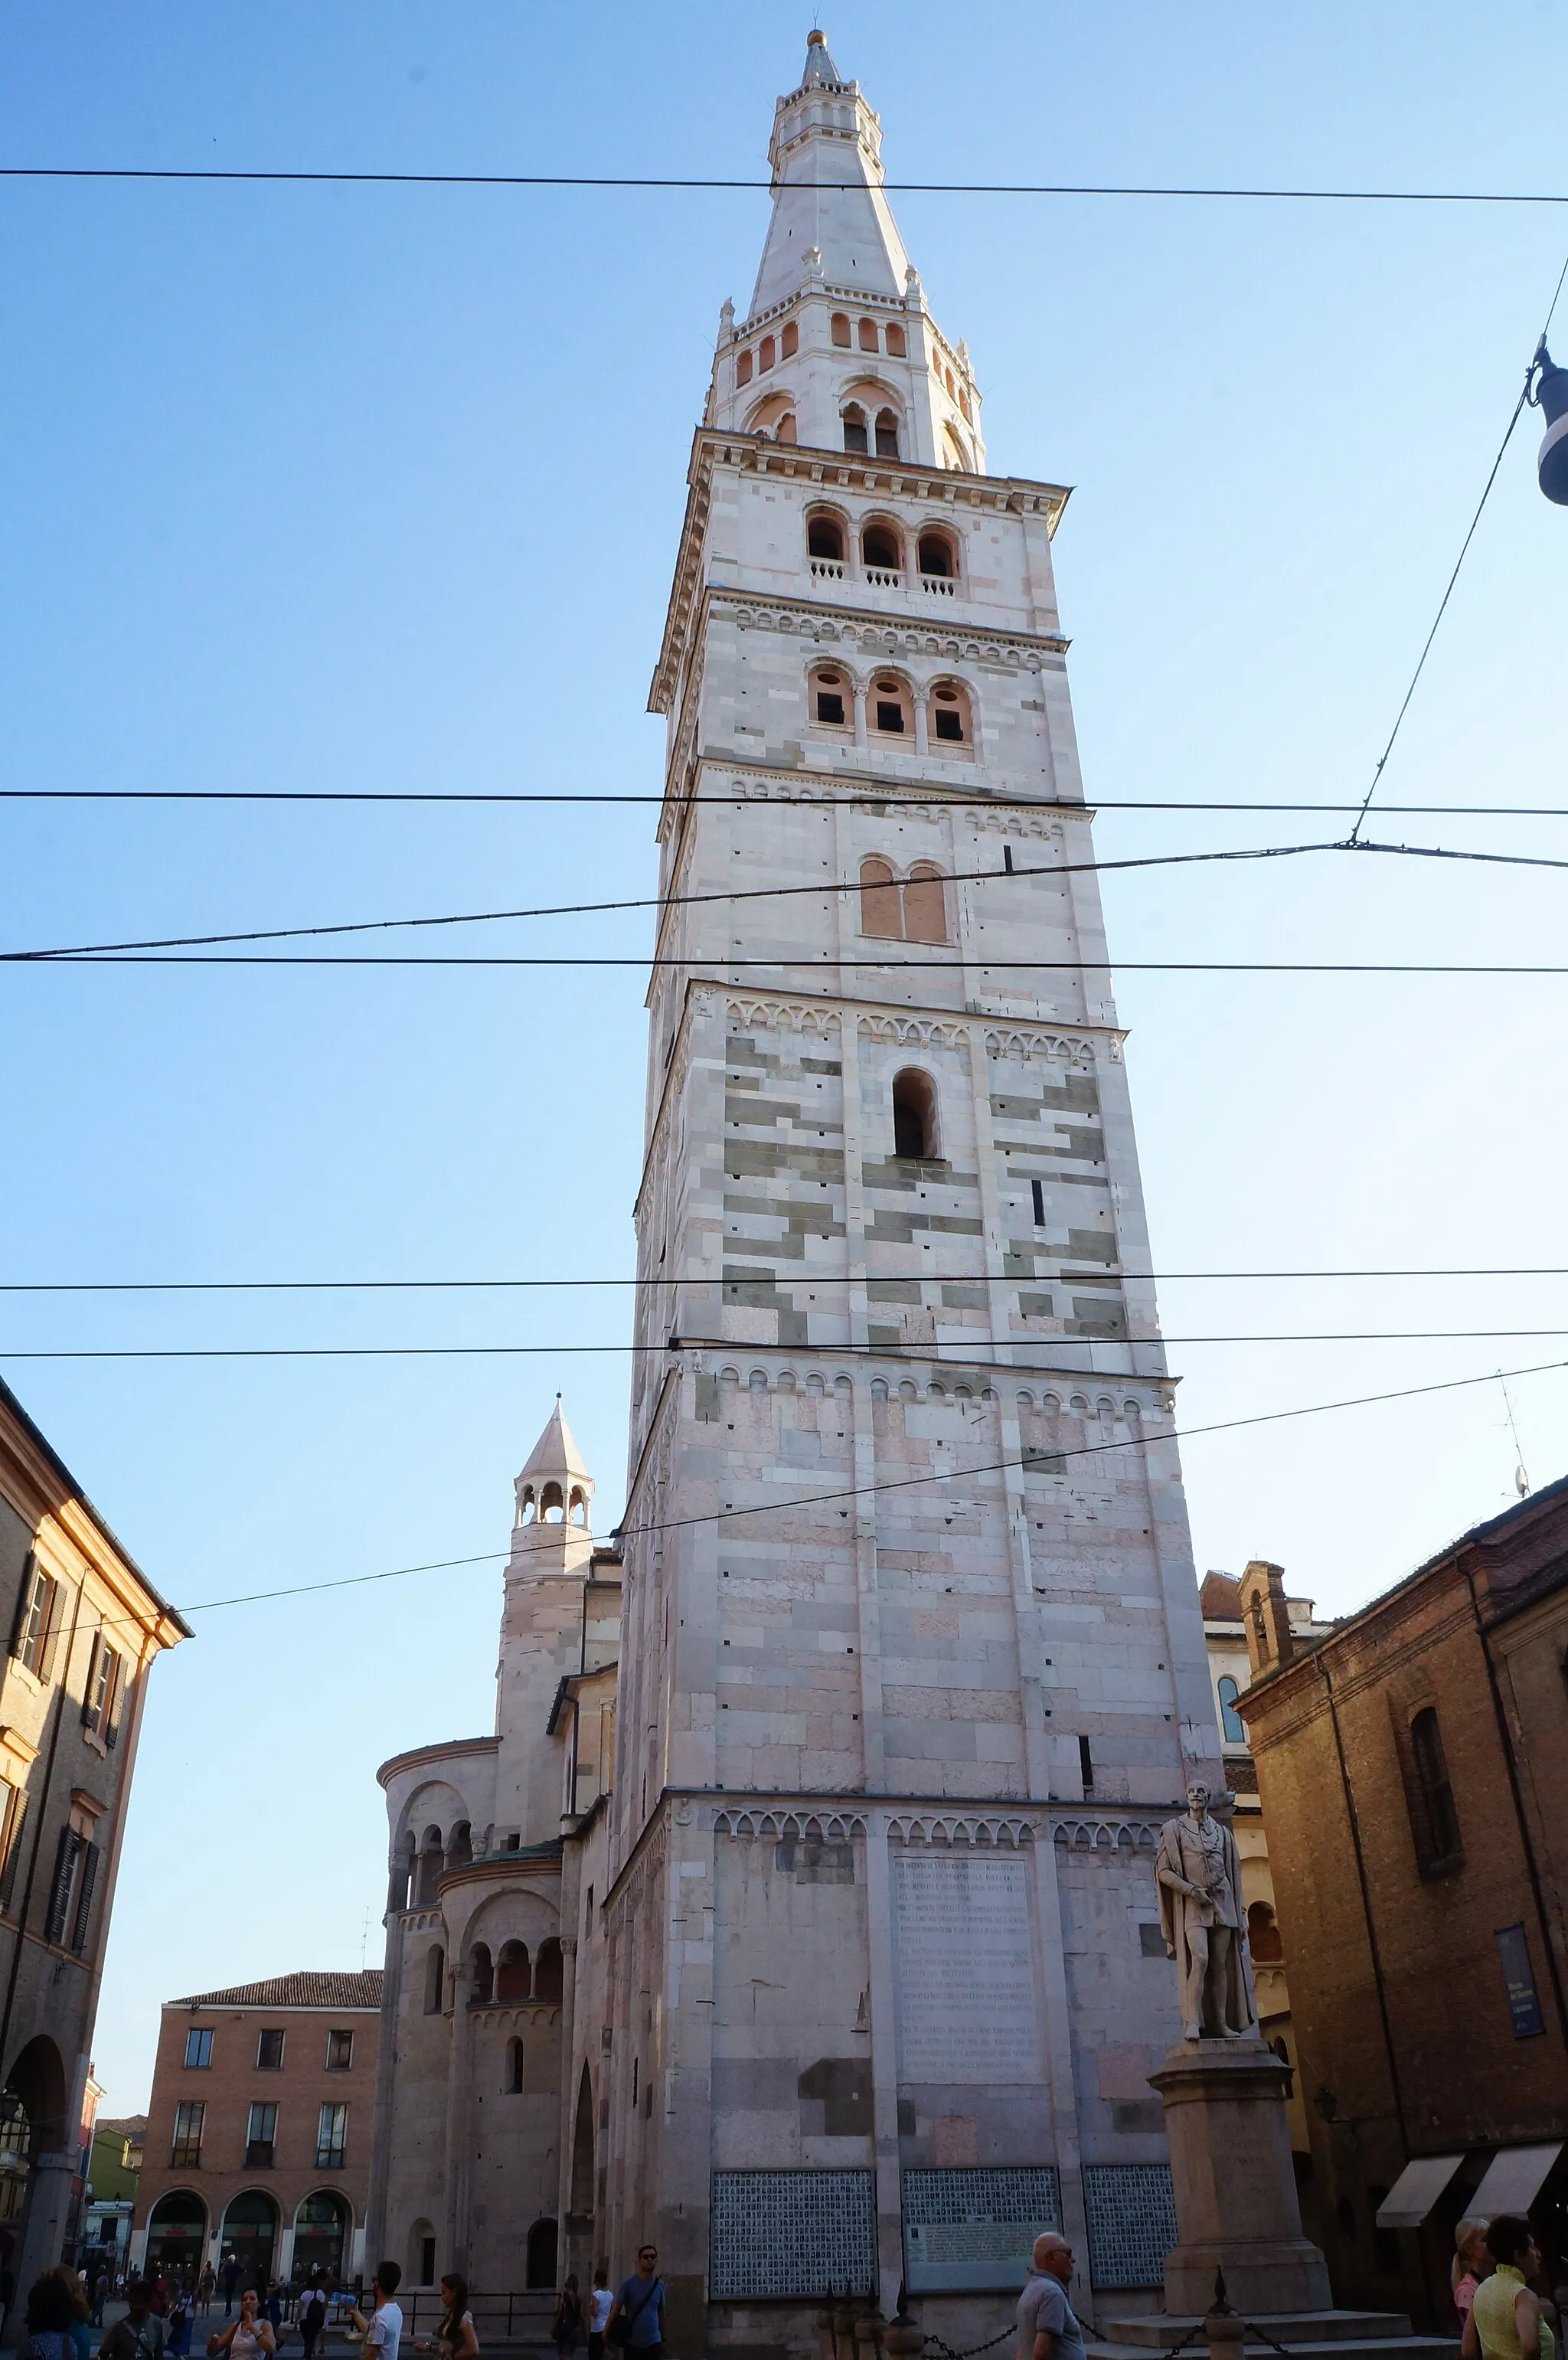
(973, 2231)
(965, 1974)
(1131, 2219)
(1519, 1982)
(790, 2233)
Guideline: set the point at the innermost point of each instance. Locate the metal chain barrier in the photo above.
(935, 2343)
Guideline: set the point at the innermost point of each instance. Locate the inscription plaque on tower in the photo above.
(966, 1973)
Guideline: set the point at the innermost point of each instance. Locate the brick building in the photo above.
(259, 2127)
(1414, 1770)
(85, 1629)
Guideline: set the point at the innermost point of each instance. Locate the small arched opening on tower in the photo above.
(896, 344)
(583, 2149)
(790, 340)
(552, 1507)
(887, 435)
(925, 907)
(838, 328)
(528, 1504)
(938, 554)
(1263, 1937)
(431, 1863)
(828, 689)
(514, 2082)
(881, 550)
(405, 1863)
(868, 337)
(954, 456)
(549, 1978)
(743, 369)
(881, 912)
(949, 714)
(766, 353)
(855, 434)
(513, 1983)
(481, 1976)
(435, 1980)
(577, 1507)
(825, 536)
(892, 713)
(460, 1850)
(914, 1116)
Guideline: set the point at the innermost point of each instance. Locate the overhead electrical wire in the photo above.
(1026, 1461)
(942, 1354)
(852, 790)
(652, 181)
(987, 966)
(948, 1278)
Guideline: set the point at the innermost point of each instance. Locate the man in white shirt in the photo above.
(383, 2332)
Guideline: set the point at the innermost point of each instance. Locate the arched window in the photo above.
(790, 342)
(1263, 1935)
(891, 712)
(435, 1979)
(925, 909)
(887, 435)
(963, 404)
(177, 2230)
(1231, 1722)
(830, 699)
(513, 1983)
(937, 557)
(838, 330)
(881, 912)
(896, 341)
(577, 1507)
(527, 1505)
(481, 1976)
(431, 1863)
(947, 380)
(549, 1979)
(914, 1115)
(825, 536)
(743, 369)
(460, 1851)
(785, 431)
(552, 1507)
(583, 2149)
(400, 1892)
(321, 2227)
(948, 714)
(868, 336)
(1436, 1822)
(855, 429)
(514, 2083)
(767, 354)
(538, 2269)
(881, 552)
(955, 455)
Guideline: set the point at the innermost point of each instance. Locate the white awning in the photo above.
(1513, 2180)
(1417, 2190)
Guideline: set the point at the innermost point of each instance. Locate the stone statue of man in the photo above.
(1204, 1923)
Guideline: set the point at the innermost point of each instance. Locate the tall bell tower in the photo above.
(912, 1662)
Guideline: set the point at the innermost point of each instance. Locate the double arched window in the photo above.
(864, 432)
(913, 911)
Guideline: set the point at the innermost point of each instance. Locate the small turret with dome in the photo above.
(839, 351)
(553, 1530)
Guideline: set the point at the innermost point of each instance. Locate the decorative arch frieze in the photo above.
(1111, 1837)
(784, 1015)
(980, 1833)
(920, 1031)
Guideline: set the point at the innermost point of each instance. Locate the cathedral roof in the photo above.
(556, 1452)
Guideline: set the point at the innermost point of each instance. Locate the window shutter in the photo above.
(24, 1599)
(13, 1852)
(59, 1891)
(114, 1699)
(55, 1610)
(89, 1718)
(85, 1900)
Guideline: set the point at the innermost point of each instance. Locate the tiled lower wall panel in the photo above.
(973, 2231)
(790, 2233)
(1132, 2223)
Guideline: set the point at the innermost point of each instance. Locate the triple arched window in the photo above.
(880, 544)
(908, 910)
(942, 722)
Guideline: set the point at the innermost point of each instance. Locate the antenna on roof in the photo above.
(1522, 1476)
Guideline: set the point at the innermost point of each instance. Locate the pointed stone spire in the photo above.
(820, 72)
(826, 154)
(554, 1526)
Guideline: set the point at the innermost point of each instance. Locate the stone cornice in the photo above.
(451, 1749)
(851, 471)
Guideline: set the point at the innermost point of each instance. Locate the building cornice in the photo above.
(451, 1749)
(850, 471)
(43, 1490)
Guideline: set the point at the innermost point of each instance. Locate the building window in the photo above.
(98, 1705)
(790, 342)
(481, 1976)
(1037, 1190)
(70, 1893)
(768, 353)
(891, 715)
(950, 721)
(435, 1980)
(13, 1816)
(1434, 1821)
(270, 2052)
(881, 904)
(427, 2261)
(887, 435)
(550, 1971)
(913, 913)
(1231, 1722)
(896, 345)
(938, 558)
(340, 2052)
(827, 690)
(825, 536)
(38, 1616)
(512, 1979)
(515, 2068)
(743, 369)
(198, 2047)
(1263, 1935)
(925, 911)
(881, 552)
(538, 2263)
(868, 338)
(261, 2136)
(1086, 1765)
(332, 2138)
(186, 2150)
(855, 435)
(914, 1115)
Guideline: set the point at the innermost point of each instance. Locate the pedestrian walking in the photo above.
(231, 2283)
(181, 2322)
(383, 2332)
(249, 2338)
(205, 2286)
(1047, 2329)
(1470, 2263)
(455, 2339)
(139, 2335)
(100, 2296)
(567, 2325)
(48, 2318)
(638, 2307)
(1506, 2321)
(312, 2313)
(599, 2304)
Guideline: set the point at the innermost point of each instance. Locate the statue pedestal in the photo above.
(1233, 2183)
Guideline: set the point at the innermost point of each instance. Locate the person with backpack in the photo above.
(313, 2315)
(637, 2316)
(138, 2336)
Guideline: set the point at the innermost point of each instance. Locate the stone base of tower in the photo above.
(1233, 2183)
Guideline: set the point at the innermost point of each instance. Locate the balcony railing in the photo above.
(828, 569)
(939, 585)
(884, 577)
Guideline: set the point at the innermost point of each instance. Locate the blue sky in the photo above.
(379, 487)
